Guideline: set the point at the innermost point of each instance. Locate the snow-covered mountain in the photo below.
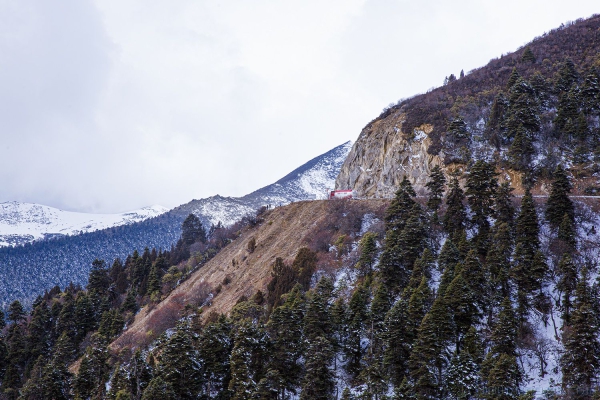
(309, 182)
(21, 223)
(27, 271)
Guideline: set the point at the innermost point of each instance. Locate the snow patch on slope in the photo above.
(24, 222)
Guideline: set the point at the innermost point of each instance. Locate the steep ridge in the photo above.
(66, 259)
(477, 117)
(22, 223)
(284, 231)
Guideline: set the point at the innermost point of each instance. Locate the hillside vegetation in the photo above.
(526, 112)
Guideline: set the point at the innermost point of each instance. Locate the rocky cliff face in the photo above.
(383, 154)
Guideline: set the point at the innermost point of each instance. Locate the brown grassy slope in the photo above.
(284, 231)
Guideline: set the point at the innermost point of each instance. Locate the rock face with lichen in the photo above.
(383, 154)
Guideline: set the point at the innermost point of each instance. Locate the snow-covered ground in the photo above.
(25, 222)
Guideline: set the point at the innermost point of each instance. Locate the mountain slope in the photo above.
(28, 270)
(285, 230)
(21, 223)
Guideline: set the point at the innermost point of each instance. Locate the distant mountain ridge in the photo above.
(21, 223)
(28, 270)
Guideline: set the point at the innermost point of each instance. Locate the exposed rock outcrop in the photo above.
(383, 154)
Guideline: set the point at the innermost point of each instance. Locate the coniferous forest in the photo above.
(466, 292)
(447, 303)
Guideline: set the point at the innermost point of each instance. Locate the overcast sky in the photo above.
(107, 106)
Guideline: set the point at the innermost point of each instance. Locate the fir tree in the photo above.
(429, 357)
(498, 261)
(436, 186)
(93, 370)
(214, 347)
(481, 190)
(567, 234)
(357, 316)
(98, 278)
(285, 330)
(513, 78)
(244, 372)
(559, 203)
(16, 312)
(505, 212)
(567, 76)
(521, 150)
(462, 379)
(523, 109)
(460, 299)
(398, 342)
(455, 217)
(580, 362)
(158, 389)
(528, 56)
(318, 382)
(192, 230)
(401, 206)
(567, 283)
(368, 252)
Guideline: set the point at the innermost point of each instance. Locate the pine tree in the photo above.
(283, 280)
(527, 272)
(590, 92)
(559, 203)
(496, 121)
(401, 249)
(304, 265)
(504, 379)
(153, 282)
(580, 362)
(317, 320)
(130, 303)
